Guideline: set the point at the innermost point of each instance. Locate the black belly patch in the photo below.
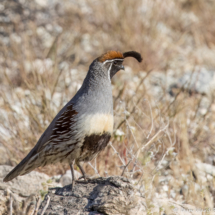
(94, 144)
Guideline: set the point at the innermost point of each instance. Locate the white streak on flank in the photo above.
(109, 71)
(53, 136)
(111, 60)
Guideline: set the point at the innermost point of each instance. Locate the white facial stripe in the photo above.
(109, 71)
(112, 60)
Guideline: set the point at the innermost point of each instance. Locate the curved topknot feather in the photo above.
(133, 54)
(110, 56)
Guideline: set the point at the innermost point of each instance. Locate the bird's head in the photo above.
(111, 62)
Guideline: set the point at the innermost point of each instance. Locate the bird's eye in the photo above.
(115, 62)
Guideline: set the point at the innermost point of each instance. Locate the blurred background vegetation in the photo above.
(164, 107)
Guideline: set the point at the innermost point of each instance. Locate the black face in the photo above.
(114, 66)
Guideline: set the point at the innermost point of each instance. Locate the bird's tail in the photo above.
(20, 168)
(13, 173)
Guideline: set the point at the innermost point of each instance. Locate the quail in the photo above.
(83, 127)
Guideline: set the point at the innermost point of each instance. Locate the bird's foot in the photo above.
(85, 177)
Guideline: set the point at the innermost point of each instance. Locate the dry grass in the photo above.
(163, 136)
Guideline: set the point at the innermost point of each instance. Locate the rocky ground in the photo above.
(164, 108)
(103, 195)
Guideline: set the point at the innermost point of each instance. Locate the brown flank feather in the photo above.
(110, 55)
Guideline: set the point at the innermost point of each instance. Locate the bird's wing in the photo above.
(63, 128)
(59, 130)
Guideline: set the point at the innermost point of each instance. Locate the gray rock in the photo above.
(23, 188)
(159, 83)
(200, 81)
(113, 195)
(23, 185)
(66, 179)
(206, 168)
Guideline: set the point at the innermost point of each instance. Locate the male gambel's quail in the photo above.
(83, 127)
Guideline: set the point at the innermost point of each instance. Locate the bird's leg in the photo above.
(84, 175)
(73, 175)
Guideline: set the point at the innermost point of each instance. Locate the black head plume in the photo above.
(133, 54)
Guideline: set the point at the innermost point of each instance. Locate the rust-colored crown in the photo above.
(111, 55)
